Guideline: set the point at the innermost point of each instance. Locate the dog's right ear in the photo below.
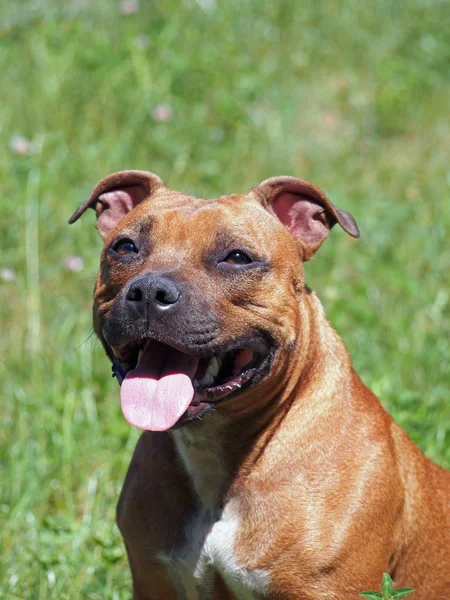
(115, 195)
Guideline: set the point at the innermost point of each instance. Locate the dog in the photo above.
(266, 469)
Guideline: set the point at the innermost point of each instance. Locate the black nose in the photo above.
(152, 293)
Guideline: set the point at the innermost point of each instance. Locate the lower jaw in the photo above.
(194, 413)
(198, 409)
(201, 406)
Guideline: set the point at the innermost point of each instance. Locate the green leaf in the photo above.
(386, 586)
(371, 595)
(401, 593)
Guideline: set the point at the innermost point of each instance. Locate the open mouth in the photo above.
(163, 387)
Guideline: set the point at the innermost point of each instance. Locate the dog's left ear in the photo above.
(115, 195)
(304, 210)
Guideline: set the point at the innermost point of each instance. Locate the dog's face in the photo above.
(197, 301)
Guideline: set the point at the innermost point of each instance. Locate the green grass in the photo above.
(354, 98)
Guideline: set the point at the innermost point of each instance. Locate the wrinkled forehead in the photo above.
(184, 221)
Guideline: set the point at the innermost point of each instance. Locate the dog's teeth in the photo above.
(208, 379)
(212, 371)
(213, 367)
(141, 351)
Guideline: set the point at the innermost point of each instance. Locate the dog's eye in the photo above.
(125, 247)
(237, 257)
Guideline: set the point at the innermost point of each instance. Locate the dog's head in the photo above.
(197, 301)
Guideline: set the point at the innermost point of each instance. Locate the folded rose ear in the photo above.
(305, 211)
(115, 195)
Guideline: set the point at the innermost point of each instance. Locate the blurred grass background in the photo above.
(214, 97)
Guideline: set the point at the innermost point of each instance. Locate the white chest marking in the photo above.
(209, 549)
(210, 535)
(218, 554)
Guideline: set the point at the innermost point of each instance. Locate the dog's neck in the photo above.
(213, 449)
(201, 448)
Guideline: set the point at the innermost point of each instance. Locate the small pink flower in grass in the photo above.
(129, 7)
(162, 113)
(73, 263)
(20, 145)
(7, 274)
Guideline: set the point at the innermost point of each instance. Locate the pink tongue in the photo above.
(159, 390)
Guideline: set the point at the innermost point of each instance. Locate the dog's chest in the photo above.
(210, 536)
(210, 549)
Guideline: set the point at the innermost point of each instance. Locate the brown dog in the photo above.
(268, 470)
